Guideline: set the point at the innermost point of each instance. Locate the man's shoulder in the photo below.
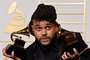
(30, 51)
(31, 47)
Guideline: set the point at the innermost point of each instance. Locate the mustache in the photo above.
(45, 38)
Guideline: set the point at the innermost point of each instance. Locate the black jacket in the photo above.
(55, 50)
(38, 52)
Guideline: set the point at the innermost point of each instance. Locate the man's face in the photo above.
(44, 31)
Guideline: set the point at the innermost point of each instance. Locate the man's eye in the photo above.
(38, 28)
(48, 27)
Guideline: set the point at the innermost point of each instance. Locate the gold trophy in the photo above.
(15, 28)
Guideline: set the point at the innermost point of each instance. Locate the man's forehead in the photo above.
(43, 22)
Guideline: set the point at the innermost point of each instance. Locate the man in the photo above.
(48, 45)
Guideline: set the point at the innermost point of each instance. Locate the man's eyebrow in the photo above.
(36, 25)
(49, 24)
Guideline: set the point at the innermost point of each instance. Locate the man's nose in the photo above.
(44, 32)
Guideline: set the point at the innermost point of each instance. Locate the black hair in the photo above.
(44, 12)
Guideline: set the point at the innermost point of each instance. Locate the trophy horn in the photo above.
(24, 31)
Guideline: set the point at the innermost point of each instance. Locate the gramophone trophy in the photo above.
(72, 40)
(18, 46)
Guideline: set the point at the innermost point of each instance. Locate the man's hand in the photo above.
(67, 55)
(12, 56)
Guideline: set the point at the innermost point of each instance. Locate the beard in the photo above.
(48, 40)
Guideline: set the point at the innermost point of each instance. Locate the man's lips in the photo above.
(45, 39)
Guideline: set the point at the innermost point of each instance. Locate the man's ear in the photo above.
(58, 30)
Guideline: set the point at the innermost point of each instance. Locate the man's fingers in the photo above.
(69, 55)
(64, 56)
(12, 54)
(4, 51)
(75, 51)
(5, 54)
